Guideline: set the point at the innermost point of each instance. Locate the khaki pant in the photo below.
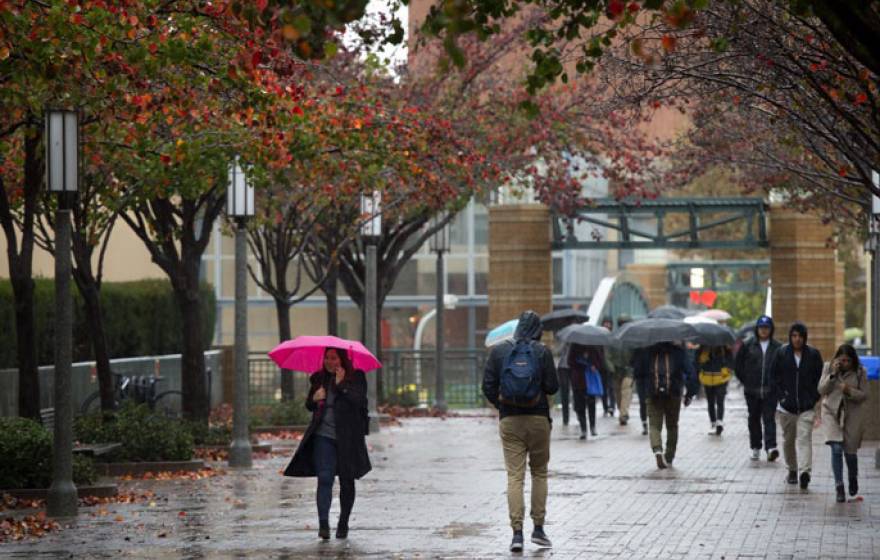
(660, 409)
(523, 436)
(797, 439)
(623, 392)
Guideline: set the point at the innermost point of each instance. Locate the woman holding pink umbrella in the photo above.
(334, 443)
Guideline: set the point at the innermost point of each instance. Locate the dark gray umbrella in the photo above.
(587, 335)
(562, 318)
(647, 332)
(667, 312)
(713, 334)
(746, 331)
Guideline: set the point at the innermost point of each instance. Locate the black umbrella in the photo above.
(667, 312)
(561, 318)
(746, 331)
(587, 335)
(647, 332)
(713, 334)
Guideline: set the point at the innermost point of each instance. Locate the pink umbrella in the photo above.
(716, 314)
(306, 353)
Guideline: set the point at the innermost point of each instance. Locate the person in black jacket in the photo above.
(797, 370)
(665, 372)
(752, 368)
(334, 442)
(524, 429)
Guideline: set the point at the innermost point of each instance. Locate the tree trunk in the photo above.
(21, 277)
(92, 303)
(332, 292)
(282, 311)
(196, 403)
(26, 336)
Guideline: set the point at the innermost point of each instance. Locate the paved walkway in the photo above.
(437, 491)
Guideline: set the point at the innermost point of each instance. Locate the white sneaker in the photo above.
(712, 429)
(756, 454)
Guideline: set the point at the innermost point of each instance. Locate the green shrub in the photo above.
(140, 319)
(26, 456)
(285, 413)
(209, 435)
(144, 436)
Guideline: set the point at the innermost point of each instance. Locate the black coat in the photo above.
(682, 377)
(797, 387)
(350, 410)
(753, 368)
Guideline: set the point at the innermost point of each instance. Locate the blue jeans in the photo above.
(837, 455)
(324, 456)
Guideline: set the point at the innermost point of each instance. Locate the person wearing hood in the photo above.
(797, 370)
(752, 368)
(666, 374)
(518, 377)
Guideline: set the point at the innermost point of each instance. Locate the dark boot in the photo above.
(841, 495)
(324, 529)
(540, 538)
(805, 480)
(792, 477)
(516, 544)
(342, 530)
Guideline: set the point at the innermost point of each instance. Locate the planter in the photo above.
(122, 469)
(97, 491)
(278, 429)
(261, 447)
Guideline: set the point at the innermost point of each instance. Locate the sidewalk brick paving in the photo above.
(437, 491)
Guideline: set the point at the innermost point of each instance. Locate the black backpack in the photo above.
(660, 375)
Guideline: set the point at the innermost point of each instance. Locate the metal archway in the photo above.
(615, 296)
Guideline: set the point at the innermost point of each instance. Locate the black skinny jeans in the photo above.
(564, 392)
(325, 464)
(715, 395)
(584, 405)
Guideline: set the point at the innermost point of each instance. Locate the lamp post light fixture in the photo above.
(240, 207)
(439, 243)
(62, 177)
(371, 208)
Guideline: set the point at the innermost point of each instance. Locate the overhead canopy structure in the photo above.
(702, 215)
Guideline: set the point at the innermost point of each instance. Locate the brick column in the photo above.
(520, 261)
(806, 278)
(653, 279)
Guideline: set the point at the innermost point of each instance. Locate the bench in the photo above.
(47, 418)
(96, 449)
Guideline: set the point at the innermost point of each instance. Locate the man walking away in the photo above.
(666, 373)
(518, 377)
(622, 376)
(752, 368)
(797, 370)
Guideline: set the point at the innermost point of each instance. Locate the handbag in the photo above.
(593, 382)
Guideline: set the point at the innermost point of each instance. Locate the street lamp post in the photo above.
(240, 207)
(439, 243)
(370, 231)
(62, 177)
(874, 247)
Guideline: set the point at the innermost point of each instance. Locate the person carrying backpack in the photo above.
(518, 377)
(665, 372)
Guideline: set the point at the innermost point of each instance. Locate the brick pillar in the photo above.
(652, 278)
(806, 278)
(520, 261)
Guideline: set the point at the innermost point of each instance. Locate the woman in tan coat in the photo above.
(844, 385)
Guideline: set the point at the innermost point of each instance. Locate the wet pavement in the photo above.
(437, 491)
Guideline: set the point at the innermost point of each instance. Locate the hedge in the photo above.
(144, 435)
(26, 457)
(141, 318)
